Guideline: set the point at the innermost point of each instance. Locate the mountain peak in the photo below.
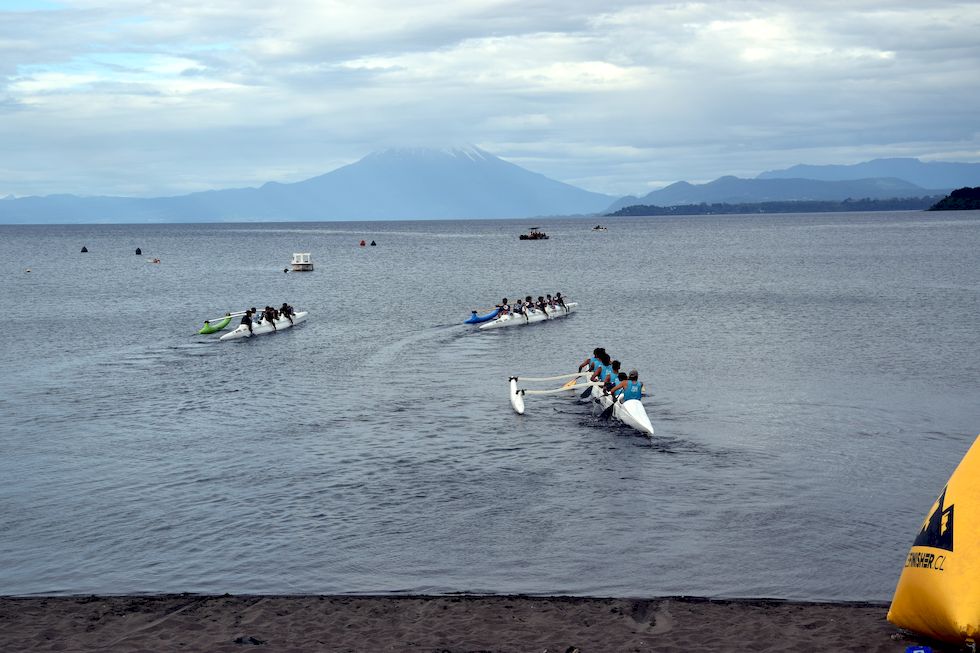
(467, 152)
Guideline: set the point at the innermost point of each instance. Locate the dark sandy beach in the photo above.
(444, 623)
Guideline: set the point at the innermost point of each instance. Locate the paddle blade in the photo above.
(570, 383)
(586, 392)
(607, 413)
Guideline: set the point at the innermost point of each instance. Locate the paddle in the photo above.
(607, 413)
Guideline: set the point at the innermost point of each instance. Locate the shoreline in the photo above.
(452, 623)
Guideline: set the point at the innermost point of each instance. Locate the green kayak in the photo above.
(214, 328)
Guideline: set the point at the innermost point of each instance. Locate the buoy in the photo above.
(374, 244)
(139, 252)
(937, 593)
(84, 249)
(363, 243)
(285, 270)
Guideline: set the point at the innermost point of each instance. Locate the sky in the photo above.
(165, 97)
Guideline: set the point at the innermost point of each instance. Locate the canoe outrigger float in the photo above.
(534, 315)
(476, 319)
(629, 412)
(262, 327)
(214, 327)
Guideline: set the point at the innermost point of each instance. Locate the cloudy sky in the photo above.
(155, 97)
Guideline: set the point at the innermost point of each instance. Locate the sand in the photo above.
(442, 623)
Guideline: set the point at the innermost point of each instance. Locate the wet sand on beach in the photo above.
(188, 622)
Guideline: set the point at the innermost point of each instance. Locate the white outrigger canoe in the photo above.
(630, 412)
(515, 319)
(263, 327)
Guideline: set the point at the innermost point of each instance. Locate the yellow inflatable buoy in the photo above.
(938, 594)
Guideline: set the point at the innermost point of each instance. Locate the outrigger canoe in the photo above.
(534, 315)
(630, 412)
(263, 327)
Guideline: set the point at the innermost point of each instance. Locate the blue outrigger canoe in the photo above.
(476, 319)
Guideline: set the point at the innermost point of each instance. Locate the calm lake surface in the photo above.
(816, 381)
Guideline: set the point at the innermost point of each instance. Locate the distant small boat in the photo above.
(599, 227)
(302, 262)
(534, 234)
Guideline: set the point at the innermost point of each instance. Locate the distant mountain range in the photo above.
(393, 184)
(733, 190)
(933, 174)
(469, 182)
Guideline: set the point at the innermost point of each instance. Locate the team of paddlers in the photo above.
(269, 314)
(527, 305)
(606, 371)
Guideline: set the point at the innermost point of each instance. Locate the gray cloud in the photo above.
(145, 98)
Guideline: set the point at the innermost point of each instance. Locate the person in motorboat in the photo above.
(629, 386)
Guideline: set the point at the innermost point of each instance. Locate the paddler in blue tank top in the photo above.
(593, 361)
(600, 372)
(629, 387)
(613, 377)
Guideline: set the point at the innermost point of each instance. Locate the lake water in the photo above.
(816, 381)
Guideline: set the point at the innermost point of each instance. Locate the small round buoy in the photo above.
(84, 249)
(363, 243)
(374, 244)
(285, 270)
(139, 252)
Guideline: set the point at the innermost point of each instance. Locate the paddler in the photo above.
(560, 301)
(247, 319)
(504, 306)
(542, 305)
(270, 316)
(606, 372)
(287, 312)
(593, 362)
(520, 308)
(529, 303)
(629, 386)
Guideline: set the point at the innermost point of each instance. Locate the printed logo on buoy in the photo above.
(937, 530)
